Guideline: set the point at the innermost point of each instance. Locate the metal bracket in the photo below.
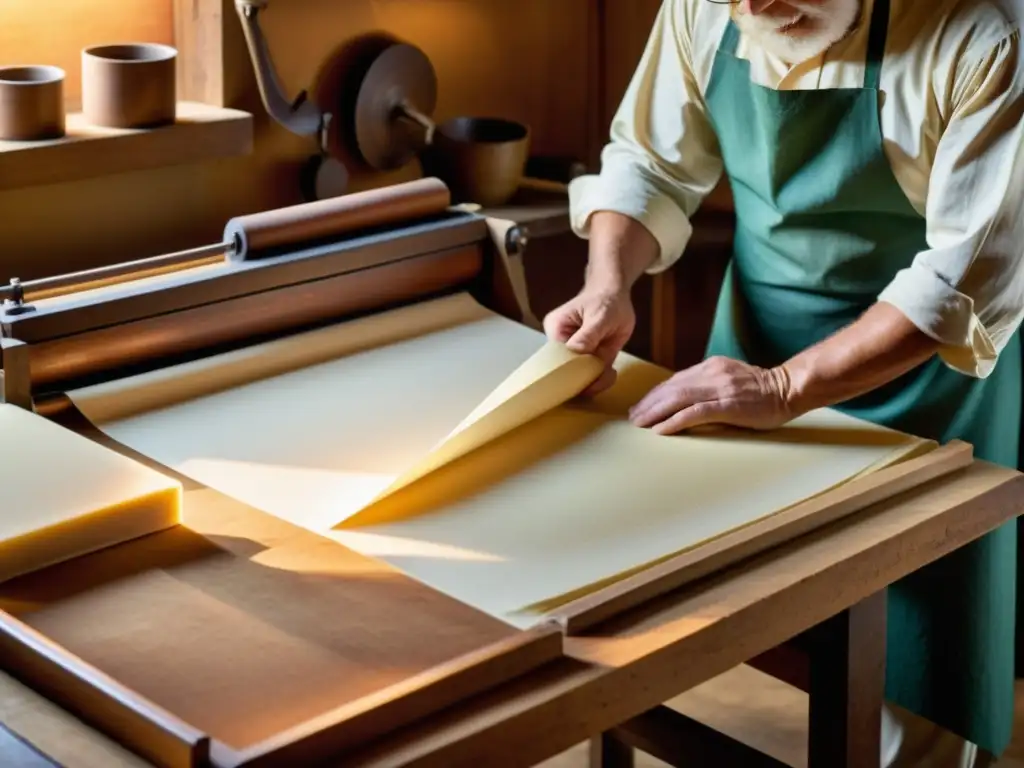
(301, 116)
(510, 240)
(15, 379)
(516, 240)
(14, 304)
(12, 295)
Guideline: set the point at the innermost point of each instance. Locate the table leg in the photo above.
(844, 675)
(847, 681)
(608, 751)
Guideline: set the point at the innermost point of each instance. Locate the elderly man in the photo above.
(874, 152)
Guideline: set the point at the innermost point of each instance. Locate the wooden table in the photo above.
(833, 580)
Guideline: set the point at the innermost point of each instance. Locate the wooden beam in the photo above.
(213, 61)
(681, 741)
(788, 663)
(199, 38)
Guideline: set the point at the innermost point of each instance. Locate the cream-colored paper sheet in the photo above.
(532, 497)
(548, 378)
(398, 368)
(63, 495)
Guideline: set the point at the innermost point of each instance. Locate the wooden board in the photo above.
(165, 643)
(102, 497)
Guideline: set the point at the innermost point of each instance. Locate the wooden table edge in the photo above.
(639, 660)
(642, 659)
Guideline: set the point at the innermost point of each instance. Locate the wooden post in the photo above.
(213, 62)
(847, 681)
(607, 751)
(664, 317)
(844, 675)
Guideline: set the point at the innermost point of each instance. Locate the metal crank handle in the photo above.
(302, 116)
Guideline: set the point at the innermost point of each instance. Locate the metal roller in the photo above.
(266, 233)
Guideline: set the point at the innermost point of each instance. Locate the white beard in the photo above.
(832, 21)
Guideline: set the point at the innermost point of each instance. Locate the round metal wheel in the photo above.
(401, 73)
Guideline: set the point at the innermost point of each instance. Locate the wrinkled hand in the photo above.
(717, 391)
(594, 322)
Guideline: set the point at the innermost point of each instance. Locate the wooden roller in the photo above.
(260, 234)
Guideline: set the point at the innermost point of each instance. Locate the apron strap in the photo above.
(731, 38)
(877, 36)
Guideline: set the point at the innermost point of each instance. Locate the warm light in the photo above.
(54, 33)
(376, 545)
(316, 499)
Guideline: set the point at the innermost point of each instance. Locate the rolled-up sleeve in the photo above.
(967, 290)
(662, 159)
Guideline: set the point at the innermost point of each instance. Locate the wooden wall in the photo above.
(529, 60)
(627, 26)
(559, 65)
(54, 33)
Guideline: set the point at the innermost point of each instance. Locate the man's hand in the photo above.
(717, 391)
(595, 322)
(600, 319)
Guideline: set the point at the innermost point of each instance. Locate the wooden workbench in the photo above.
(632, 664)
(827, 589)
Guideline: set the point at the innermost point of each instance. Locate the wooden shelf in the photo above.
(201, 133)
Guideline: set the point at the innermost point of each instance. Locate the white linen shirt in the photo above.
(952, 119)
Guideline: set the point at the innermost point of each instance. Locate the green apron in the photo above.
(822, 227)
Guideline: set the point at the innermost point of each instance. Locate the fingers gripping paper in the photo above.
(446, 440)
(254, 379)
(549, 378)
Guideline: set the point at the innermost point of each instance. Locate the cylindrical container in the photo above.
(131, 85)
(31, 103)
(481, 159)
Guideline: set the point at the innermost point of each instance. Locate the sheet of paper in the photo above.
(577, 499)
(569, 495)
(344, 411)
(64, 495)
(550, 377)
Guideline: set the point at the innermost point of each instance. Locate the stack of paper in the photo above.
(449, 442)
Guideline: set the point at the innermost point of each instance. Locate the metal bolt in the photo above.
(516, 240)
(17, 292)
